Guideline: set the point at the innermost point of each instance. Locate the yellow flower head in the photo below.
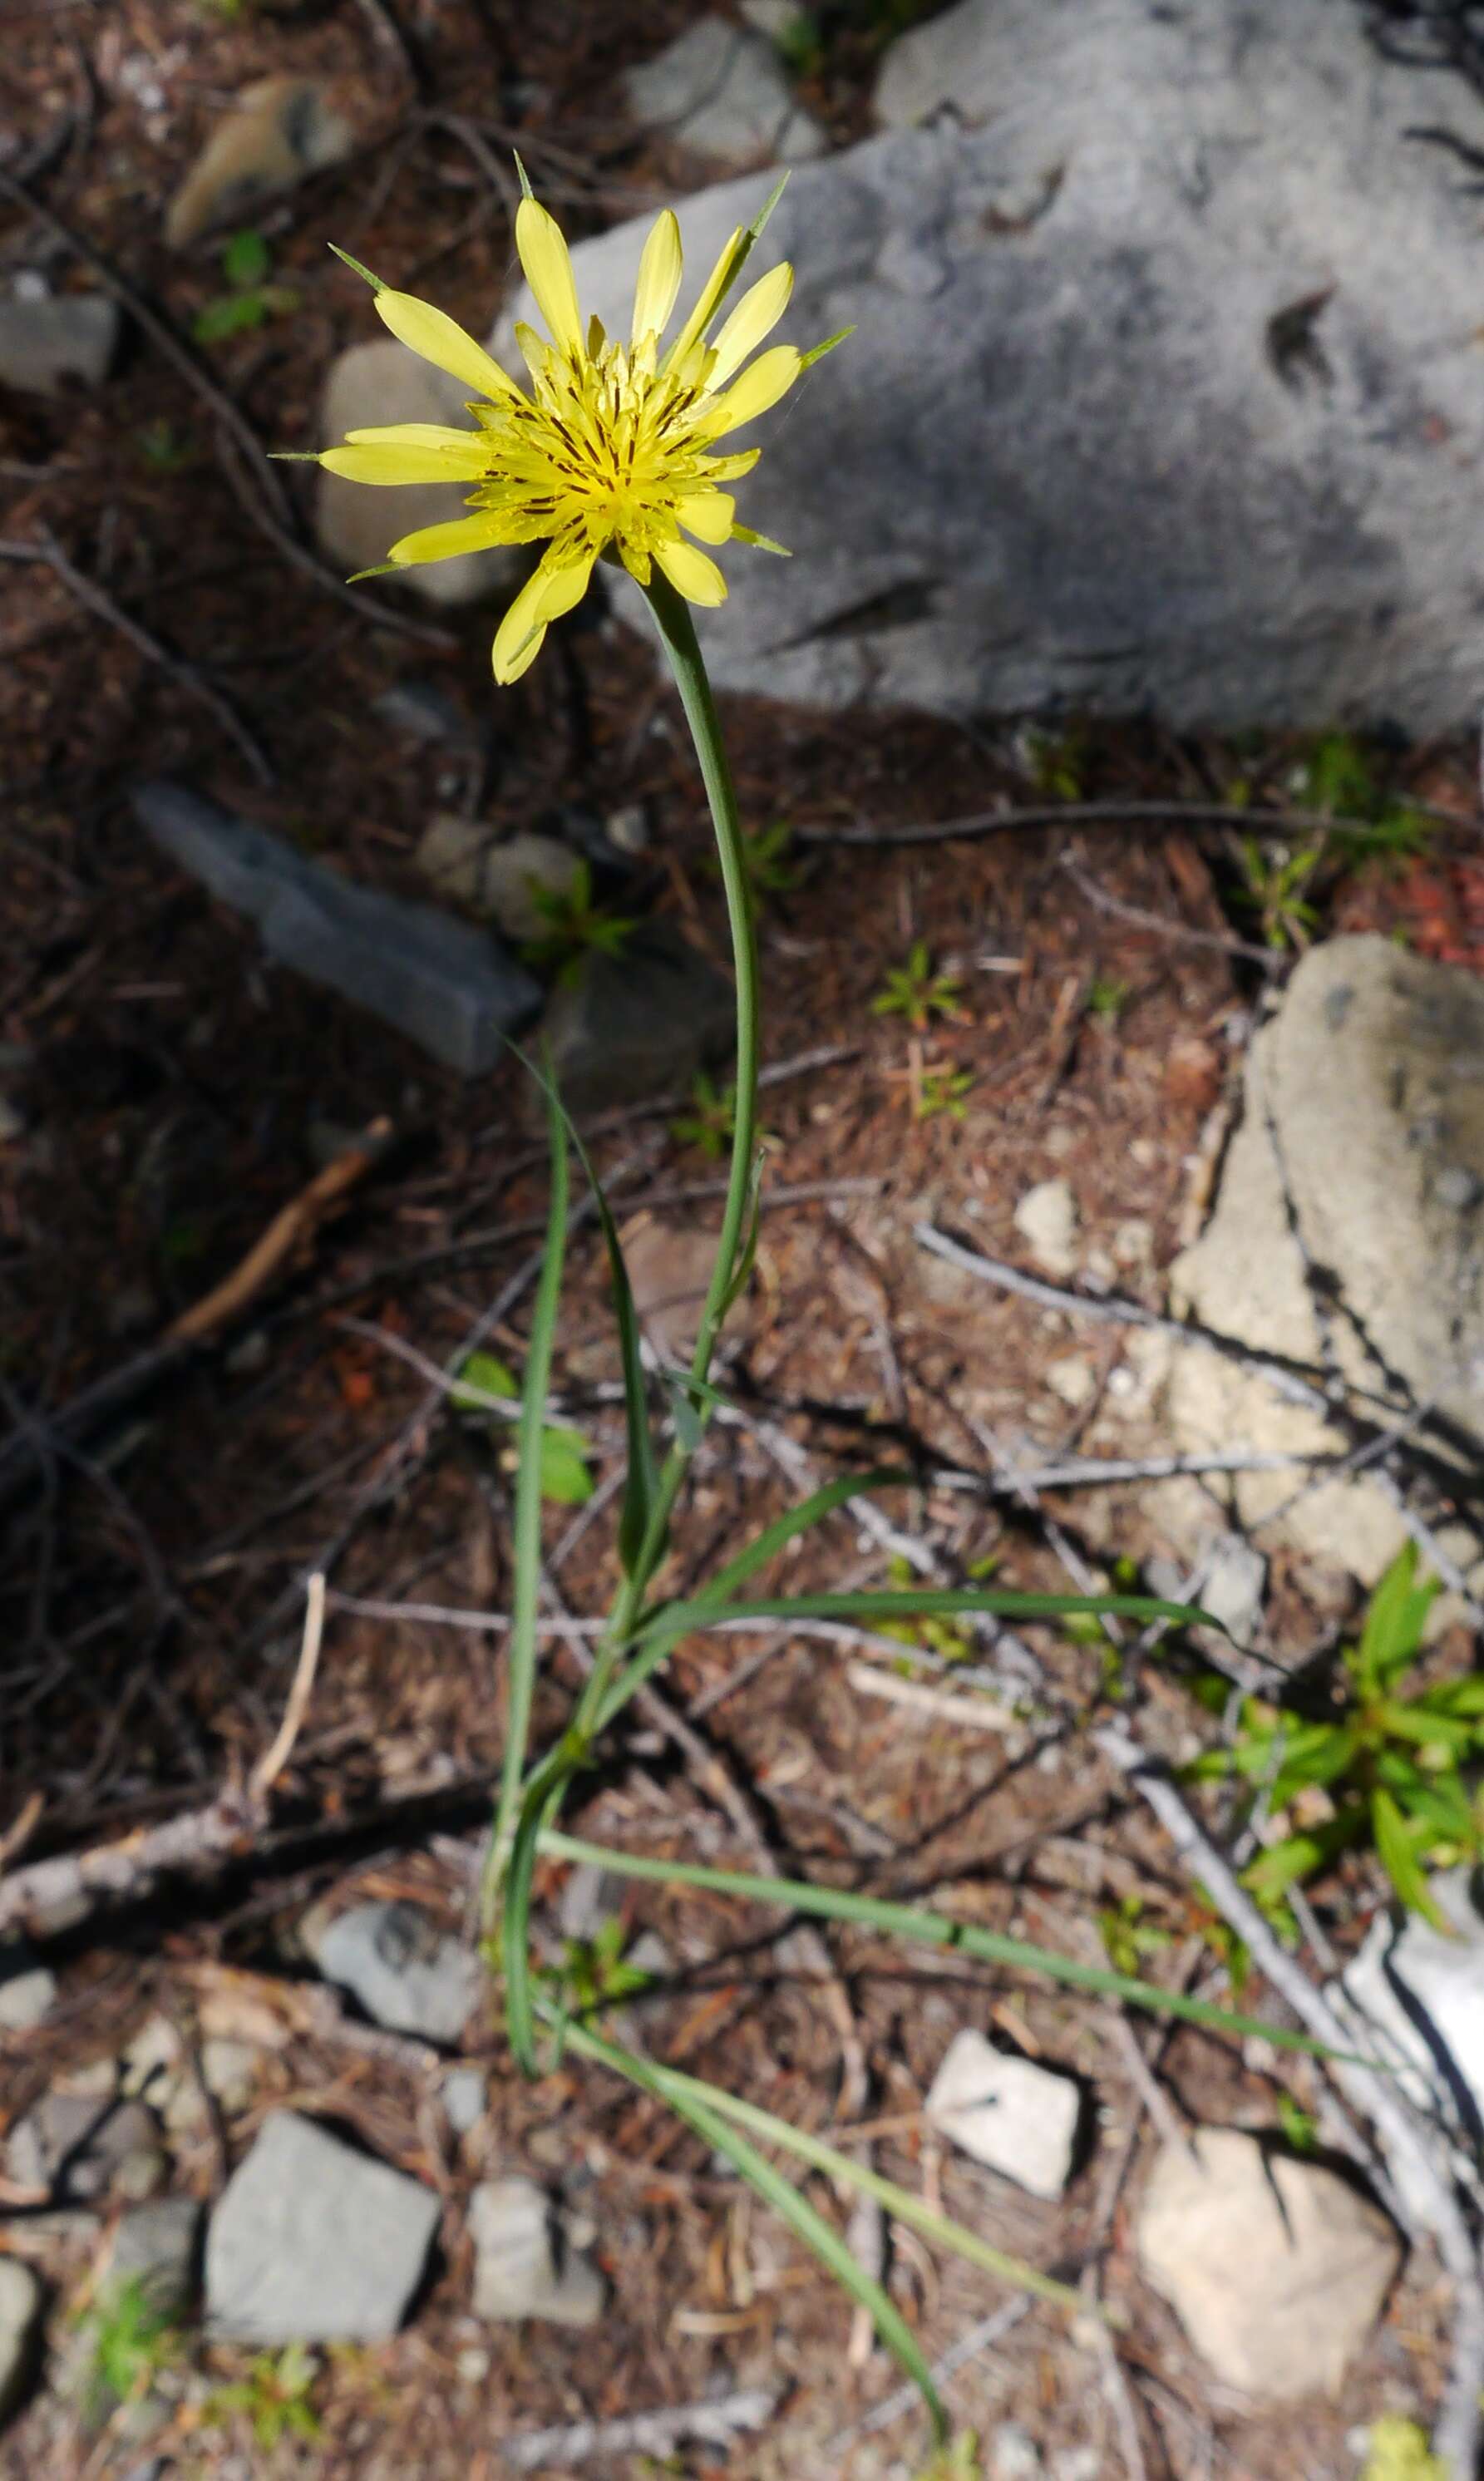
(611, 452)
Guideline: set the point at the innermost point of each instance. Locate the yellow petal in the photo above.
(419, 434)
(730, 469)
(445, 542)
(441, 340)
(545, 596)
(699, 579)
(658, 279)
(705, 309)
(707, 514)
(365, 463)
(756, 314)
(543, 255)
(510, 652)
(761, 385)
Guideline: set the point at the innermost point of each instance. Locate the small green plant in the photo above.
(764, 860)
(1397, 2450)
(1106, 997)
(916, 992)
(274, 2397)
(162, 449)
(958, 2461)
(711, 1119)
(593, 1974)
(131, 2342)
(566, 1476)
(1128, 1938)
(1300, 2128)
(1057, 764)
(1388, 1765)
(800, 43)
(1273, 883)
(575, 926)
(941, 1094)
(249, 300)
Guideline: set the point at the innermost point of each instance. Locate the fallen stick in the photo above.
(291, 1227)
(656, 2434)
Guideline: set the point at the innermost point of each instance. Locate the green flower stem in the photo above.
(677, 636)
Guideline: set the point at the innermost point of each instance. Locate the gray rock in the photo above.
(20, 2318)
(462, 859)
(465, 2098)
(407, 1973)
(525, 2265)
(1079, 450)
(590, 1896)
(313, 2243)
(1015, 2117)
(424, 712)
(382, 381)
(155, 2247)
(642, 1024)
(449, 988)
(27, 1989)
(1276, 2269)
(720, 90)
(87, 2146)
(282, 130)
(47, 346)
(1362, 1095)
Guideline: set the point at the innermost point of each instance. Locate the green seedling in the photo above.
(575, 927)
(916, 992)
(1106, 997)
(274, 2397)
(711, 1119)
(764, 861)
(565, 1476)
(131, 2342)
(1128, 1938)
(1390, 1766)
(162, 449)
(593, 1974)
(249, 300)
(1273, 880)
(1300, 2128)
(942, 1093)
(1057, 764)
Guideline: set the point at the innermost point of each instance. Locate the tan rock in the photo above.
(283, 129)
(1277, 2269)
(356, 523)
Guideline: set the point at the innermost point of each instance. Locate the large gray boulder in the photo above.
(1166, 393)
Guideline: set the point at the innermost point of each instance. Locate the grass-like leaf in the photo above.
(521, 1654)
(930, 1929)
(709, 2112)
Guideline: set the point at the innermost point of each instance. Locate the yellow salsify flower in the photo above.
(611, 452)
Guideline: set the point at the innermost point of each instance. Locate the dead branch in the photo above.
(1094, 814)
(658, 2434)
(290, 1230)
(47, 551)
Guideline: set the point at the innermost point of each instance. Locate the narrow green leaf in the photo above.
(817, 353)
(356, 269)
(1396, 1848)
(1395, 1616)
(521, 1653)
(699, 2105)
(746, 1255)
(926, 1929)
(1424, 1724)
(777, 1536)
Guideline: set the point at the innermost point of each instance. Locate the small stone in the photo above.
(627, 828)
(525, 2264)
(590, 1896)
(1015, 2455)
(465, 2098)
(280, 130)
(502, 880)
(1071, 1379)
(407, 1973)
(20, 2318)
(1006, 2112)
(424, 711)
(81, 2146)
(155, 2248)
(27, 1989)
(67, 340)
(669, 1272)
(1233, 1586)
(1047, 1218)
(1277, 2269)
(312, 2243)
(446, 986)
(379, 383)
(639, 1024)
(720, 91)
